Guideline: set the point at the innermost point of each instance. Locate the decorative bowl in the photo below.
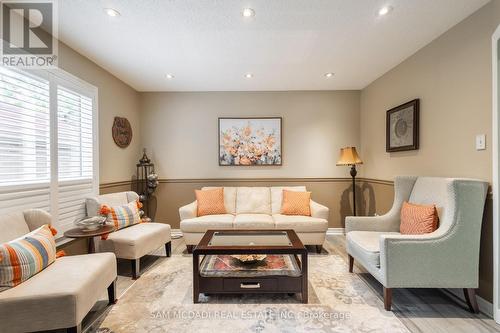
(90, 223)
(249, 259)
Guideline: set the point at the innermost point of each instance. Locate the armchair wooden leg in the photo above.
(74, 329)
(351, 263)
(319, 248)
(387, 298)
(112, 293)
(136, 268)
(168, 248)
(470, 298)
(190, 248)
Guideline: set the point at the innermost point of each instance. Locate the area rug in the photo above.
(161, 301)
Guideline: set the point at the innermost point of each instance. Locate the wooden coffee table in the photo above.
(281, 272)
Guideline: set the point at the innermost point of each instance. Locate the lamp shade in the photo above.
(349, 156)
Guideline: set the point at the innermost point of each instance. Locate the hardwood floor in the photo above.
(420, 310)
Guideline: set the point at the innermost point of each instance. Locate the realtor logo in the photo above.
(29, 33)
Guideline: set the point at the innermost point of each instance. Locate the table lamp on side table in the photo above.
(349, 156)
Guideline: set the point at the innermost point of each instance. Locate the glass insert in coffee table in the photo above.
(250, 261)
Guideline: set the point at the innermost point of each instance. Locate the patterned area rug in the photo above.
(161, 301)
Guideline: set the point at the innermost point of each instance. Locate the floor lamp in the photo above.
(349, 156)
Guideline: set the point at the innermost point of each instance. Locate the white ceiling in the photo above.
(289, 45)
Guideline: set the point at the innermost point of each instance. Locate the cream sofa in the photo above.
(255, 208)
(61, 295)
(132, 242)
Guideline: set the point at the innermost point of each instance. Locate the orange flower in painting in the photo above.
(247, 131)
(245, 161)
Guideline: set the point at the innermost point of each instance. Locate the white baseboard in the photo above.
(484, 306)
(335, 231)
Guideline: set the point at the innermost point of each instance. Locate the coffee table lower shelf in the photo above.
(292, 281)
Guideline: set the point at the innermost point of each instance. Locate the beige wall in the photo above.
(452, 78)
(115, 99)
(180, 131)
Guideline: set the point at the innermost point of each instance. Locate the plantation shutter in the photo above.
(48, 144)
(24, 141)
(75, 153)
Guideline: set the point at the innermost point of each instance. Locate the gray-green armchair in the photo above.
(445, 258)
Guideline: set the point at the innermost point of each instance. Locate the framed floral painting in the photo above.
(250, 141)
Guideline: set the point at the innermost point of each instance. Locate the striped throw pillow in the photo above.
(122, 216)
(26, 256)
(418, 219)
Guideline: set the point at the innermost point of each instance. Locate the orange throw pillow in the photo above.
(296, 203)
(418, 219)
(210, 202)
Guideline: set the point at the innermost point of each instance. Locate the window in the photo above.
(48, 146)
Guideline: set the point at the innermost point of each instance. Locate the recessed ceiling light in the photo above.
(384, 10)
(249, 75)
(248, 12)
(329, 75)
(111, 12)
(169, 76)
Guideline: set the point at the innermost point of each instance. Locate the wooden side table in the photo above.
(89, 234)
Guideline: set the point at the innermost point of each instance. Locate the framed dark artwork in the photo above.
(401, 130)
(250, 141)
(122, 132)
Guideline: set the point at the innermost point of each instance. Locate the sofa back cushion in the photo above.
(229, 198)
(253, 200)
(12, 226)
(26, 256)
(433, 191)
(277, 196)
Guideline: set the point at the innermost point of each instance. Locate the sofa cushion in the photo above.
(418, 219)
(59, 296)
(365, 245)
(277, 196)
(204, 223)
(296, 203)
(137, 240)
(122, 216)
(13, 225)
(210, 202)
(300, 223)
(229, 198)
(253, 200)
(253, 221)
(22, 258)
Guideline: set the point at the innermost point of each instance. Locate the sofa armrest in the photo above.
(319, 211)
(385, 222)
(429, 260)
(188, 211)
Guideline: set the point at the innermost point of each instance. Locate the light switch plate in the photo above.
(480, 142)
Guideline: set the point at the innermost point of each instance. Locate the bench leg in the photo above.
(136, 268)
(351, 263)
(387, 298)
(168, 249)
(470, 298)
(112, 293)
(190, 248)
(319, 248)
(75, 329)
